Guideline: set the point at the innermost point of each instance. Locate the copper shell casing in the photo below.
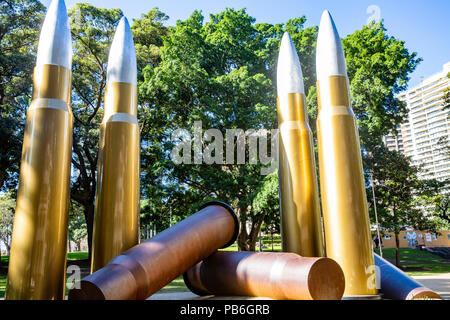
(146, 268)
(284, 276)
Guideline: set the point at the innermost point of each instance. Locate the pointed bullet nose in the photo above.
(330, 58)
(55, 43)
(289, 70)
(122, 55)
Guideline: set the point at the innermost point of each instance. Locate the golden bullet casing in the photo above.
(116, 219)
(301, 227)
(39, 239)
(344, 204)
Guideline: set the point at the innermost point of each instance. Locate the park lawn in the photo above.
(176, 285)
(3, 277)
(77, 255)
(2, 285)
(420, 259)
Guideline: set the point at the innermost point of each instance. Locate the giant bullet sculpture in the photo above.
(285, 276)
(301, 226)
(344, 205)
(116, 218)
(146, 268)
(397, 285)
(39, 239)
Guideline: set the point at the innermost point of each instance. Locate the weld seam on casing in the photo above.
(121, 117)
(46, 103)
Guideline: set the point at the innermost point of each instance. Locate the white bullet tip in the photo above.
(330, 58)
(122, 56)
(289, 70)
(55, 42)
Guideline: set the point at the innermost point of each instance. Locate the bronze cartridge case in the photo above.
(284, 276)
(146, 268)
(301, 227)
(39, 240)
(397, 285)
(344, 204)
(116, 218)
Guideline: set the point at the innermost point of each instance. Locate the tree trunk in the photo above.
(397, 250)
(256, 226)
(243, 237)
(3, 175)
(89, 216)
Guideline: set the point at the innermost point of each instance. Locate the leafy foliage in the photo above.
(19, 32)
(7, 207)
(397, 187)
(219, 73)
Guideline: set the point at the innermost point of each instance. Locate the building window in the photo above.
(388, 237)
(434, 236)
(448, 236)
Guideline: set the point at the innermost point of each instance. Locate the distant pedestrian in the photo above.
(377, 241)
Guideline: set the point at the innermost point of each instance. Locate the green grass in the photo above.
(77, 255)
(2, 285)
(176, 285)
(418, 259)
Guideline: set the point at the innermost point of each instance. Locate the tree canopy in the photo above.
(20, 22)
(197, 76)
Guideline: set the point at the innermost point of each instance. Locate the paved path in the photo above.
(192, 296)
(439, 283)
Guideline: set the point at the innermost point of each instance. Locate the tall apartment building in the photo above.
(427, 124)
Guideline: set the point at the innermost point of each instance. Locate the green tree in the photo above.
(378, 67)
(219, 73)
(7, 207)
(436, 199)
(397, 188)
(77, 224)
(20, 22)
(266, 204)
(148, 32)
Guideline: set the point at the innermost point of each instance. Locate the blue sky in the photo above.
(423, 24)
